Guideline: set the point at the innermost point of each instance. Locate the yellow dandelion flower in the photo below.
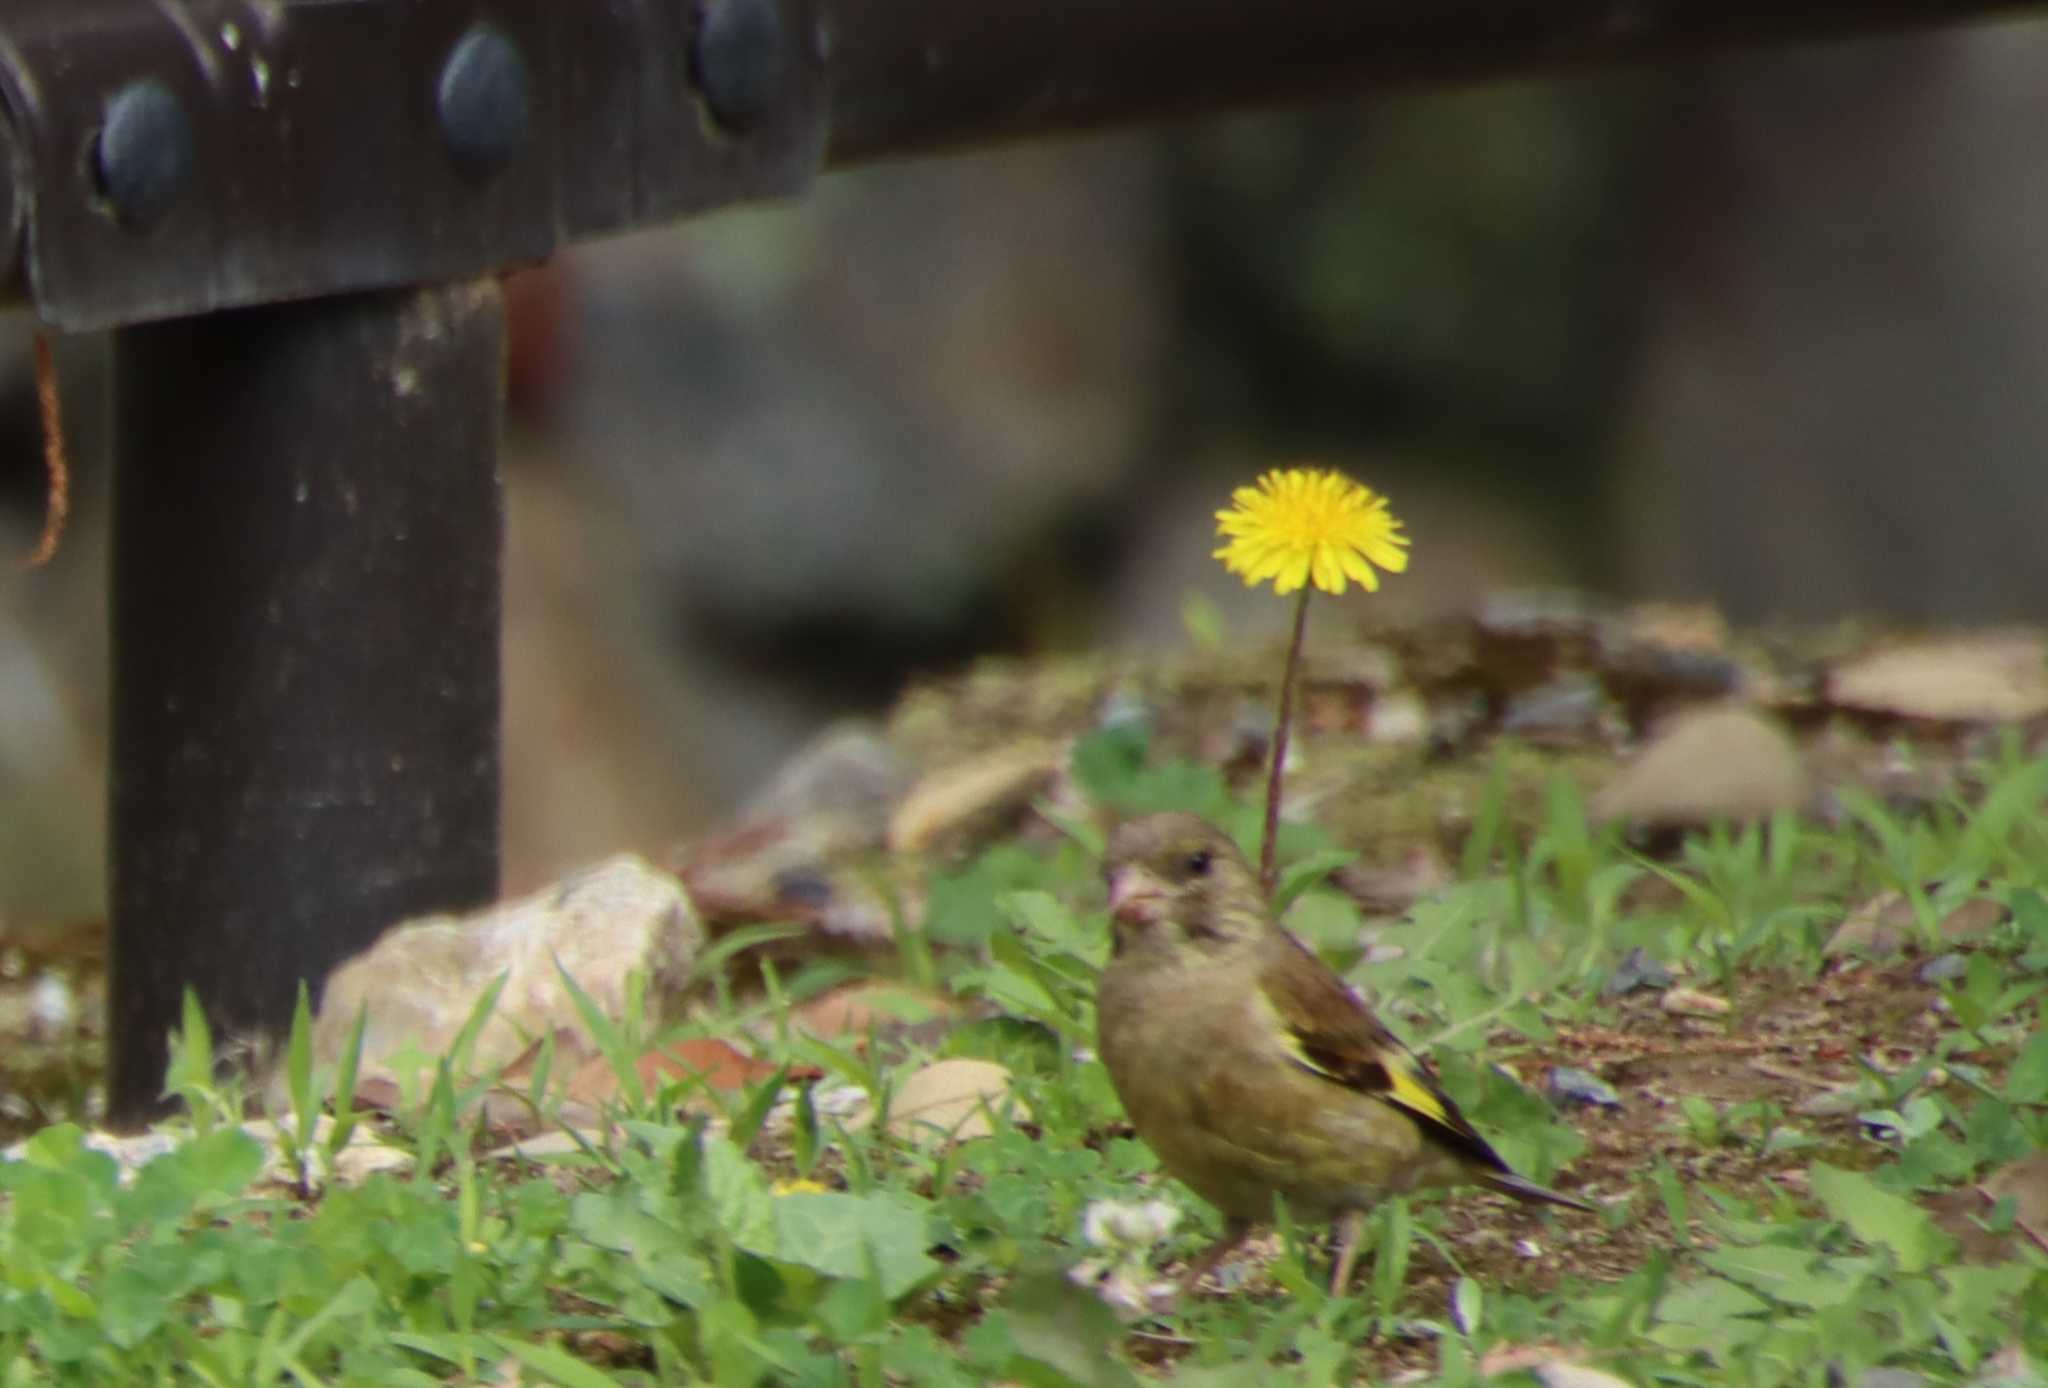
(1310, 525)
(800, 1186)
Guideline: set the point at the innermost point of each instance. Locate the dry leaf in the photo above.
(858, 1008)
(704, 1061)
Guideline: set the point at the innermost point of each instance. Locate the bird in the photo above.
(1248, 1066)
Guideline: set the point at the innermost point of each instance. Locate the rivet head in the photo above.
(143, 159)
(740, 60)
(483, 101)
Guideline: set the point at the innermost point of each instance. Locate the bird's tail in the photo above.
(1528, 1192)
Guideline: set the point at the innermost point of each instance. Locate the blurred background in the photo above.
(1768, 332)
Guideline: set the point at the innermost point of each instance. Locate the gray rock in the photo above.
(1943, 967)
(420, 982)
(1571, 1087)
(1636, 970)
(846, 774)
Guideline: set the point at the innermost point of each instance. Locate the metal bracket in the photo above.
(182, 156)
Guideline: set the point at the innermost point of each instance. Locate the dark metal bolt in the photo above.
(145, 153)
(483, 100)
(741, 60)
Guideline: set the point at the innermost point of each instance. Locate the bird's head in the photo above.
(1178, 883)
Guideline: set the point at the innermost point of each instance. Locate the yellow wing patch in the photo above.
(1291, 1043)
(1411, 1092)
(1401, 1085)
(1388, 1073)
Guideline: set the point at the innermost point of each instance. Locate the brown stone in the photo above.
(1726, 762)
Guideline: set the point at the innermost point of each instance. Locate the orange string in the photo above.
(57, 507)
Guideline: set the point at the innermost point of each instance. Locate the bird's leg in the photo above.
(1350, 1227)
(1235, 1231)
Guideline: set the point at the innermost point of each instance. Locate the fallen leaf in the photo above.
(857, 1009)
(705, 1062)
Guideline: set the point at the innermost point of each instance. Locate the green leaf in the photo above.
(557, 1365)
(664, 1257)
(1879, 1218)
(1062, 1336)
(62, 1148)
(732, 1339)
(1203, 620)
(1789, 1275)
(218, 1165)
(1467, 1303)
(190, 1073)
(837, 1234)
(611, 1038)
(345, 1083)
(746, 1124)
(132, 1305)
(299, 1068)
(1108, 763)
(1297, 877)
(917, 1355)
(739, 1198)
(1328, 923)
(2027, 1081)
(1710, 1304)
(1393, 1241)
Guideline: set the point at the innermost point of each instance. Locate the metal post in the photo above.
(306, 599)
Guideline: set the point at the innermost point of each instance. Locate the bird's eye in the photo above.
(1197, 862)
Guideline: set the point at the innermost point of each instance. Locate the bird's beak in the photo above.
(1136, 897)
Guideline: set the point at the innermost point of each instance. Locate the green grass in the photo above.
(674, 1252)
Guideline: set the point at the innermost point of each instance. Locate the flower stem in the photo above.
(1281, 726)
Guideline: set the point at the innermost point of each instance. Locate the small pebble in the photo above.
(1944, 967)
(1570, 1085)
(1636, 970)
(1833, 1103)
(802, 886)
(1569, 706)
(1125, 709)
(1561, 1374)
(1693, 1003)
(52, 1007)
(838, 1101)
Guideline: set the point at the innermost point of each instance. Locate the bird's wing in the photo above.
(1329, 1032)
